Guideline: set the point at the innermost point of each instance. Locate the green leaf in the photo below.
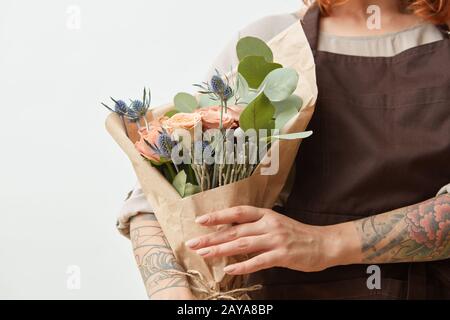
(255, 69)
(284, 116)
(251, 95)
(171, 113)
(191, 189)
(280, 84)
(258, 114)
(205, 100)
(290, 136)
(242, 86)
(185, 102)
(285, 110)
(251, 46)
(179, 182)
(293, 101)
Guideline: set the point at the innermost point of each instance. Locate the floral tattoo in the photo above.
(417, 233)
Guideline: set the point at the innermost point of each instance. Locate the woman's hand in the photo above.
(273, 240)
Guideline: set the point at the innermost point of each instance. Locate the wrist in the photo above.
(341, 245)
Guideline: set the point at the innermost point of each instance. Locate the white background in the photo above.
(62, 178)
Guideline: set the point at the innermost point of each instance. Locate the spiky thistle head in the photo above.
(218, 86)
(203, 146)
(165, 145)
(120, 107)
(137, 106)
(228, 93)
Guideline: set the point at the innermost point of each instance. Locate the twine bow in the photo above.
(203, 287)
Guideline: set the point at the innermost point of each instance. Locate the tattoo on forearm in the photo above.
(416, 233)
(155, 257)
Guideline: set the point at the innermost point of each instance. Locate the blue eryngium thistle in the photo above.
(137, 110)
(228, 93)
(218, 89)
(165, 145)
(137, 105)
(120, 107)
(204, 147)
(218, 86)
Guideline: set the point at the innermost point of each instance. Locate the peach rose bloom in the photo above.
(190, 122)
(211, 117)
(187, 121)
(158, 122)
(151, 136)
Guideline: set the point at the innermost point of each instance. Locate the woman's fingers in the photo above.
(260, 262)
(241, 214)
(239, 246)
(230, 234)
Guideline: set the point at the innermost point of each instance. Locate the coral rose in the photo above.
(151, 136)
(187, 121)
(211, 117)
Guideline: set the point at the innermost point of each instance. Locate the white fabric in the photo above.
(387, 45)
(269, 27)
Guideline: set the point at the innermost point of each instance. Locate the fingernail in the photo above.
(192, 243)
(203, 251)
(202, 219)
(229, 269)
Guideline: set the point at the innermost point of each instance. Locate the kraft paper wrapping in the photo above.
(176, 215)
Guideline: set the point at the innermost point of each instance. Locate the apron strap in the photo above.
(445, 30)
(311, 26)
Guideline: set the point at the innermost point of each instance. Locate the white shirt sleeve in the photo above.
(444, 190)
(265, 29)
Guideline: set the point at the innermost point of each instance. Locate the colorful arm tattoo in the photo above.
(417, 233)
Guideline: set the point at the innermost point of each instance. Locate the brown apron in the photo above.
(381, 142)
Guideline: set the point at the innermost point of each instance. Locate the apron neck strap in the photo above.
(445, 30)
(311, 26)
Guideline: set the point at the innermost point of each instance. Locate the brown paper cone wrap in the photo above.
(176, 215)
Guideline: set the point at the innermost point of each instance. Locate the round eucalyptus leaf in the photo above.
(280, 84)
(251, 46)
(293, 102)
(205, 100)
(242, 87)
(255, 69)
(258, 114)
(284, 116)
(251, 95)
(185, 102)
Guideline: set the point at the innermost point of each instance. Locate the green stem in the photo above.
(171, 171)
(221, 114)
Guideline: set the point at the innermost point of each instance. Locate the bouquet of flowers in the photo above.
(221, 148)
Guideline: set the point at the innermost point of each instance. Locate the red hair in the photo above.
(435, 11)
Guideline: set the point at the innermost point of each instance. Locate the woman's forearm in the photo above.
(156, 260)
(416, 233)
